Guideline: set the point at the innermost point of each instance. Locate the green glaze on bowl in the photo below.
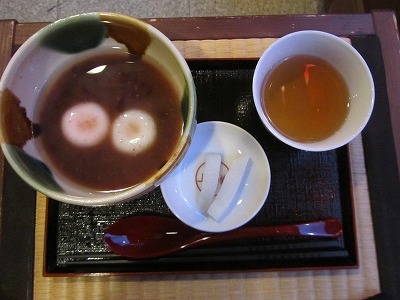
(37, 168)
(87, 31)
(74, 34)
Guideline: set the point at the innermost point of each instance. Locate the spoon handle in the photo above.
(330, 228)
(153, 236)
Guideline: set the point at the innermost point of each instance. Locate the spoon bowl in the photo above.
(153, 236)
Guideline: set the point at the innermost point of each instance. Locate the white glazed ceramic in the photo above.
(181, 189)
(345, 59)
(62, 43)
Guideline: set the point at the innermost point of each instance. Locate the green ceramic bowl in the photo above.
(48, 52)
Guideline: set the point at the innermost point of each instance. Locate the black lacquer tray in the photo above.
(305, 186)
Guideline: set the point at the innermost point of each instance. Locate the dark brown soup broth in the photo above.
(126, 83)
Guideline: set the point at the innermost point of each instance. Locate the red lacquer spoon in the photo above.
(153, 236)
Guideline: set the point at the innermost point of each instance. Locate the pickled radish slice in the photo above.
(229, 188)
(85, 124)
(209, 184)
(133, 131)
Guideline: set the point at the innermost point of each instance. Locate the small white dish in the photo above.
(181, 189)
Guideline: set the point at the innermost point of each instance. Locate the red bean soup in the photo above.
(109, 122)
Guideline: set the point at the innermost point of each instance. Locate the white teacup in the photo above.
(345, 59)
